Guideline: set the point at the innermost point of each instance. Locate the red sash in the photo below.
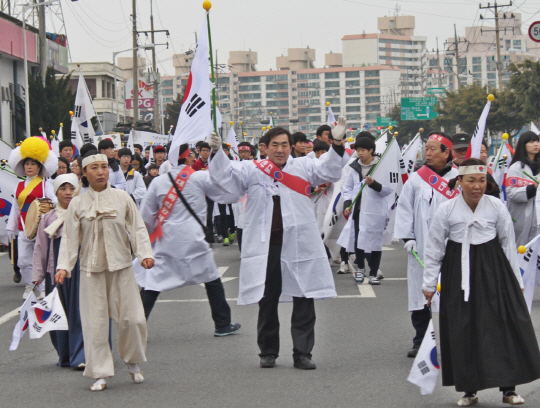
(517, 182)
(295, 183)
(170, 200)
(37, 192)
(436, 182)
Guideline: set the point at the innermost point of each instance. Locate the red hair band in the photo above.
(442, 140)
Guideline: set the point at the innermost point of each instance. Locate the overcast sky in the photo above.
(97, 28)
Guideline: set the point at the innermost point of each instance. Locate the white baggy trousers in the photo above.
(105, 295)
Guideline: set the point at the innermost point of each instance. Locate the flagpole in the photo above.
(207, 5)
(91, 101)
(373, 170)
(421, 130)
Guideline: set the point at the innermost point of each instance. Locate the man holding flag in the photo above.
(421, 196)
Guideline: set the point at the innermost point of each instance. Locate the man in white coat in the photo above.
(280, 231)
(182, 255)
(422, 194)
(135, 186)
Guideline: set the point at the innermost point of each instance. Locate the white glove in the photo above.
(214, 142)
(340, 130)
(12, 234)
(410, 245)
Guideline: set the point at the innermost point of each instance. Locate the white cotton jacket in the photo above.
(135, 186)
(105, 240)
(182, 255)
(522, 209)
(373, 210)
(454, 220)
(117, 179)
(415, 210)
(304, 264)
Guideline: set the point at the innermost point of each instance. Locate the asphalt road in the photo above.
(361, 342)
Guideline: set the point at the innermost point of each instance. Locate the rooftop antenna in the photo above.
(398, 9)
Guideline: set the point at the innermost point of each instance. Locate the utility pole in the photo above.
(455, 52)
(154, 77)
(438, 63)
(497, 30)
(42, 41)
(135, 66)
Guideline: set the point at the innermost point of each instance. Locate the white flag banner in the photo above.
(408, 157)
(534, 128)
(388, 174)
(219, 120)
(130, 142)
(528, 266)
(76, 137)
(331, 118)
(232, 139)
(380, 144)
(47, 315)
(475, 146)
(148, 138)
(83, 112)
(425, 370)
(195, 121)
(55, 142)
(151, 159)
(116, 138)
(8, 184)
(500, 169)
(22, 325)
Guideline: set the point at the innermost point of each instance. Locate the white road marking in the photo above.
(366, 290)
(385, 248)
(221, 271)
(228, 279)
(3, 253)
(8, 316)
(393, 279)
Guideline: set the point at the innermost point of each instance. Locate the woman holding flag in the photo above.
(521, 186)
(487, 337)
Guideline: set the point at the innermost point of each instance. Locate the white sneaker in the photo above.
(344, 268)
(27, 291)
(352, 266)
(359, 276)
(513, 399)
(467, 401)
(380, 275)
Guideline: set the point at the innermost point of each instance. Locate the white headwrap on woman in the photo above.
(60, 212)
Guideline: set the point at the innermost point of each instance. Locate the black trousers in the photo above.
(344, 255)
(221, 312)
(373, 258)
(420, 321)
(302, 320)
(239, 232)
(209, 221)
(227, 221)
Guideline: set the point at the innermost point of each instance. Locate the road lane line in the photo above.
(395, 279)
(221, 270)
(8, 316)
(235, 299)
(366, 290)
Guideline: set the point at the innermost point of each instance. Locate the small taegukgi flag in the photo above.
(22, 325)
(331, 118)
(47, 315)
(425, 370)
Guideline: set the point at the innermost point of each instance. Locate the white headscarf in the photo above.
(60, 212)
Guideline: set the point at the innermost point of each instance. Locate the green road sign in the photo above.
(386, 121)
(435, 91)
(418, 108)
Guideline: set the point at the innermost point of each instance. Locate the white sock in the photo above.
(133, 368)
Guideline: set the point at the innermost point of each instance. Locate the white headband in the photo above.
(463, 170)
(70, 178)
(94, 158)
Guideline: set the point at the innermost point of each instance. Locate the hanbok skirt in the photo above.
(69, 344)
(488, 341)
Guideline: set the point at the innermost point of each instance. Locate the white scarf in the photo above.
(55, 225)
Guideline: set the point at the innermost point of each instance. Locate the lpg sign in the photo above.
(146, 94)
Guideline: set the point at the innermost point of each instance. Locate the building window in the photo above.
(271, 86)
(333, 101)
(373, 73)
(352, 100)
(352, 74)
(331, 92)
(244, 88)
(352, 83)
(352, 91)
(371, 116)
(331, 75)
(373, 99)
(477, 68)
(244, 80)
(332, 84)
(373, 108)
(167, 91)
(477, 60)
(250, 96)
(283, 86)
(373, 91)
(167, 83)
(370, 82)
(352, 109)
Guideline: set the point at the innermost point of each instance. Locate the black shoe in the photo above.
(268, 362)
(17, 277)
(232, 328)
(304, 363)
(414, 351)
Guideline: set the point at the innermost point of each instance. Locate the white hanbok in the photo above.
(304, 264)
(417, 205)
(135, 186)
(182, 255)
(522, 210)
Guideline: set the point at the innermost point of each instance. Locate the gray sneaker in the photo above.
(359, 276)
